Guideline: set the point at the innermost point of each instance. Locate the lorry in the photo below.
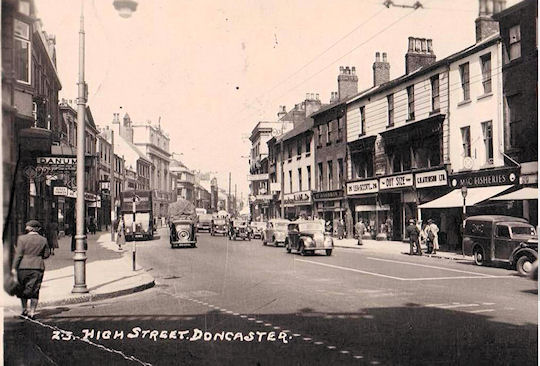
(136, 210)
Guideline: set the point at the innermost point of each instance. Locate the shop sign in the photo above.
(60, 191)
(396, 181)
(362, 187)
(263, 197)
(256, 177)
(338, 193)
(70, 193)
(486, 178)
(431, 179)
(275, 187)
(57, 162)
(298, 198)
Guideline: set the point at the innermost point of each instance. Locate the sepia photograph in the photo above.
(283, 182)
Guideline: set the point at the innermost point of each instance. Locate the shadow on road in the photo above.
(408, 335)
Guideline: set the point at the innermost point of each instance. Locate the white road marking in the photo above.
(296, 335)
(349, 269)
(488, 303)
(481, 311)
(428, 266)
(331, 347)
(401, 278)
(318, 343)
(306, 339)
(267, 324)
(458, 306)
(358, 357)
(259, 321)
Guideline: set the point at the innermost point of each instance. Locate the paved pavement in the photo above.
(109, 273)
(394, 247)
(357, 307)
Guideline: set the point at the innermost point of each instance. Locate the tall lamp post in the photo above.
(464, 194)
(125, 8)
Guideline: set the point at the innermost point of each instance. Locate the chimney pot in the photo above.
(411, 44)
(341, 69)
(384, 57)
(353, 70)
(377, 56)
(307, 96)
(430, 46)
(317, 96)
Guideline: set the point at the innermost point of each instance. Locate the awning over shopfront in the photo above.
(455, 198)
(526, 193)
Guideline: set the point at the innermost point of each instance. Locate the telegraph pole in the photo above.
(229, 197)
(235, 205)
(282, 181)
(111, 183)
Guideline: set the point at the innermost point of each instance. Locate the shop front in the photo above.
(363, 201)
(298, 204)
(330, 206)
(469, 194)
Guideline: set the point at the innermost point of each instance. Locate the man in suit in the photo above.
(413, 234)
(28, 266)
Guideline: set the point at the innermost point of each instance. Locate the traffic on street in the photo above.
(244, 303)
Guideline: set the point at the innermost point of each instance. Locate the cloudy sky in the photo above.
(211, 69)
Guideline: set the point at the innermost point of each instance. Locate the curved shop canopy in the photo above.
(455, 198)
(526, 193)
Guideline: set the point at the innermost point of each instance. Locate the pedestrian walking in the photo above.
(433, 235)
(360, 230)
(388, 224)
(92, 226)
(340, 229)
(120, 234)
(413, 233)
(52, 236)
(28, 266)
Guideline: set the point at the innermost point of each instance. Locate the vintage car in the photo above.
(275, 232)
(501, 238)
(219, 226)
(307, 236)
(182, 232)
(257, 228)
(204, 223)
(239, 229)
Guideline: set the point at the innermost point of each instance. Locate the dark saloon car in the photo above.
(182, 232)
(501, 238)
(239, 229)
(204, 223)
(307, 236)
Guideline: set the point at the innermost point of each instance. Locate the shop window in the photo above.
(465, 81)
(22, 51)
(362, 120)
(401, 160)
(410, 102)
(320, 177)
(363, 165)
(487, 131)
(340, 172)
(514, 42)
(466, 141)
(486, 72)
(512, 119)
(435, 103)
(390, 101)
(330, 175)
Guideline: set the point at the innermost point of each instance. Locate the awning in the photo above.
(526, 193)
(455, 198)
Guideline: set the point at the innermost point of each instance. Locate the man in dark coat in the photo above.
(413, 233)
(28, 266)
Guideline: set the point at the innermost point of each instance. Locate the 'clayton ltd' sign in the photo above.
(433, 178)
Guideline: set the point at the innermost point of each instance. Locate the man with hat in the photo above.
(28, 266)
(413, 233)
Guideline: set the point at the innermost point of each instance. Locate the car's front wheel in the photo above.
(287, 246)
(524, 265)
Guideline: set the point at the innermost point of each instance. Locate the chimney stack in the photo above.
(311, 104)
(282, 112)
(419, 54)
(381, 70)
(347, 82)
(485, 24)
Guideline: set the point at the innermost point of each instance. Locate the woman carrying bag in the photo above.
(28, 266)
(120, 234)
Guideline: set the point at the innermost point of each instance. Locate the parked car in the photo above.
(219, 226)
(534, 272)
(257, 228)
(182, 232)
(239, 228)
(502, 238)
(307, 236)
(275, 232)
(204, 223)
